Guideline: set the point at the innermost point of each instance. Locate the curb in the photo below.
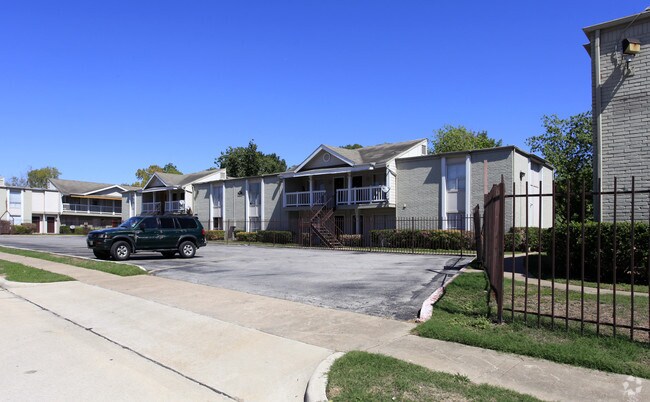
(316, 388)
(426, 311)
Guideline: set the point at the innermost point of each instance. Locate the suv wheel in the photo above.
(187, 249)
(121, 251)
(102, 255)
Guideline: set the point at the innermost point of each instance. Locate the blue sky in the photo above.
(100, 89)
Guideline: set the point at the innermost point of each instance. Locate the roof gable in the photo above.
(312, 159)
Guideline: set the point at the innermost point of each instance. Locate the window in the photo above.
(456, 221)
(424, 149)
(255, 224)
(149, 223)
(217, 196)
(357, 181)
(217, 223)
(167, 223)
(254, 194)
(187, 223)
(456, 176)
(14, 198)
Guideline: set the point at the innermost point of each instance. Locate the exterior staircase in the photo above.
(323, 226)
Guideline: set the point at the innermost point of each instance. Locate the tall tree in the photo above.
(143, 175)
(37, 178)
(458, 138)
(567, 144)
(351, 146)
(248, 161)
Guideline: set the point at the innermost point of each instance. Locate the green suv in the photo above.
(167, 234)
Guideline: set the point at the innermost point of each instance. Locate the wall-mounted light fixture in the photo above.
(521, 175)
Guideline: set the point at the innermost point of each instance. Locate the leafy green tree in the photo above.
(248, 161)
(351, 146)
(37, 178)
(458, 138)
(143, 175)
(16, 181)
(567, 145)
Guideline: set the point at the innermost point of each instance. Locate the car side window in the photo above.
(167, 223)
(187, 223)
(150, 223)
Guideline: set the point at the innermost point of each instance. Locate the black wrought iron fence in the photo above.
(572, 271)
(415, 235)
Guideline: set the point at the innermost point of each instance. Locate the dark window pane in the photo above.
(187, 223)
(150, 223)
(167, 223)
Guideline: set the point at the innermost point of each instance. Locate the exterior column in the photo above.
(349, 187)
(262, 227)
(357, 224)
(443, 192)
(246, 207)
(468, 188)
(211, 211)
(284, 195)
(311, 191)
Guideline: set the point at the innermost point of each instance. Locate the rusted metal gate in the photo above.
(493, 238)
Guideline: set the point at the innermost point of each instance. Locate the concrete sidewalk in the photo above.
(323, 329)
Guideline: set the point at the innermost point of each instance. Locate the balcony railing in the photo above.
(92, 209)
(304, 198)
(175, 206)
(170, 206)
(360, 195)
(150, 207)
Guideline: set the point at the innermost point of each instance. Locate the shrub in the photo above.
(214, 234)
(82, 230)
(623, 250)
(351, 240)
(275, 236)
(23, 229)
(65, 229)
(428, 239)
(246, 236)
(519, 234)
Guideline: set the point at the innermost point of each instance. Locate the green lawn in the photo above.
(21, 273)
(104, 266)
(362, 376)
(462, 316)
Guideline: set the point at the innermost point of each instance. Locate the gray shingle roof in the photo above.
(179, 180)
(67, 187)
(375, 154)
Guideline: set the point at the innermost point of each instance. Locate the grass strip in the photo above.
(362, 376)
(104, 266)
(22, 273)
(462, 315)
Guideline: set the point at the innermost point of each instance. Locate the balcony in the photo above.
(361, 195)
(92, 209)
(353, 196)
(170, 206)
(304, 198)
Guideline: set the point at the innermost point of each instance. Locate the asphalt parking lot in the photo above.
(379, 284)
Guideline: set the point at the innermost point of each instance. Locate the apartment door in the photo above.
(51, 223)
(36, 220)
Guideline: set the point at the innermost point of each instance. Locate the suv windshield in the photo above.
(130, 223)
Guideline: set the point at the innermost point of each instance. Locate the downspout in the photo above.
(598, 120)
